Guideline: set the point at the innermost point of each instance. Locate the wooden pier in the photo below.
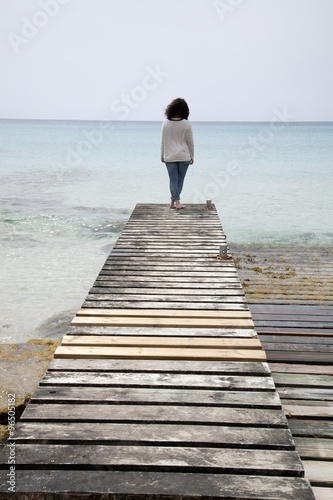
(161, 388)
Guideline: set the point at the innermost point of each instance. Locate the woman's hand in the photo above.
(191, 162)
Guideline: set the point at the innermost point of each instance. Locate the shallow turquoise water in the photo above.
(68, 187)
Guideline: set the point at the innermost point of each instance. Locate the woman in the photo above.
(177, 148)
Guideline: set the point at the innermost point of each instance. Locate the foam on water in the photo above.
(63, 203)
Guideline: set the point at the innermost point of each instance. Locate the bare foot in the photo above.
(172, 204)
(178, 205)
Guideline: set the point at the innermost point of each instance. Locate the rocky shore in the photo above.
(22, 367)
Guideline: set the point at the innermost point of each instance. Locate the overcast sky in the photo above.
(127, 59)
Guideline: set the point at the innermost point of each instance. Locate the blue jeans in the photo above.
(177, 171)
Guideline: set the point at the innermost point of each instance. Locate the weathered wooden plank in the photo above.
(164, 332)
(295, 339)
(166, 299)
(311, 428)
(164, 458)
(161, 322)
(126, 341)
(225, 272)
(148, 273)
(319, 473)
(164, 224)
(137, 434)
(134, 232)
(162, 253)
(300, 357)
(180, 226)
(146, 413)
(160, 234)
(295, 331)
(314, 448)
(303, 380)
(170, 248)
(143, 259)
(160, 380)
(207, 250)
(127, 395)
(135, 258)
(210, 244)
(305, 393)
(160, 353)
(158, 485)
(160, 366)
(174, 280)
(291, 309)
(308, 411)
(164, 313)
(306, 402)
(306, 347)
(298, 324)
(292, 318)
(221, 292)
(194, 268)
(299, 368)
(293, 298)
(147, 304)
(183, 222)
(111, 282)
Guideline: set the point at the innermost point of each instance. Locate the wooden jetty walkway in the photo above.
(161, 388)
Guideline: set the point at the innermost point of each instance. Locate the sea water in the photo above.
(68, 187)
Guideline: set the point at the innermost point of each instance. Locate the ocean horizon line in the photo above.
(228, 122)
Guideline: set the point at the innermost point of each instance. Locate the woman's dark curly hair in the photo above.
(178, 107)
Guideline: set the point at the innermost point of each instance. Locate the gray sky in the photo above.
(127, 59)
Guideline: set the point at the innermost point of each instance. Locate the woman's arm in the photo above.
(190, 143)
(162, 144)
